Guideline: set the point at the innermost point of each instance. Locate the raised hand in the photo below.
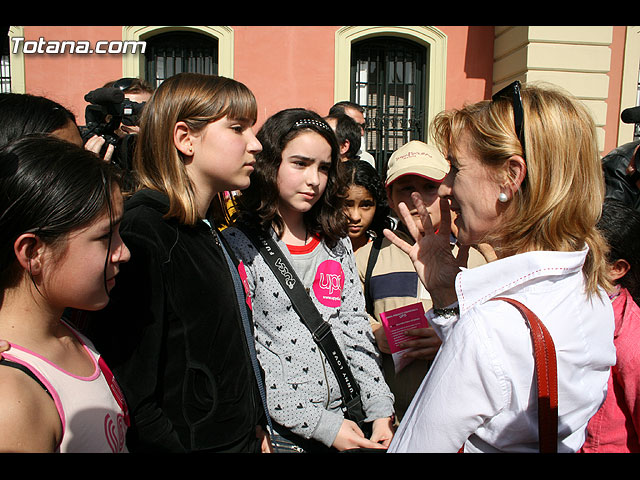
(431, 253)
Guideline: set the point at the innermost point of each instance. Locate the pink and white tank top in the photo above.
(92, 409)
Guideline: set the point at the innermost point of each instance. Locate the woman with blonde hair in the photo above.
(525, 178)
(176, 339)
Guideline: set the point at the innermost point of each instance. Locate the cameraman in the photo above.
(112, 116)
(135, 90)
(621, 167)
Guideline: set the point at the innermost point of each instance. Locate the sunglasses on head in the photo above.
(512, 93)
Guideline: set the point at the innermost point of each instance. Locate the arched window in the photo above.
(388, 78)
(180, 51)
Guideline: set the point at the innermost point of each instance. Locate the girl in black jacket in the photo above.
(173, 331)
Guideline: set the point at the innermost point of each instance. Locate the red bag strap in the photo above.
(547, 378)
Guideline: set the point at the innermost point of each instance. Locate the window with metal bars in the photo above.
(168, 54)
(388, 78)
(5, 65)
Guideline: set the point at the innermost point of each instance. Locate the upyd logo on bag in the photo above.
(328, 284)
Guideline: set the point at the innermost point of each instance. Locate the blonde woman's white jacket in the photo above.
(480, 392)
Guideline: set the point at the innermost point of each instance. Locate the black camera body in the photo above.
(107, 109)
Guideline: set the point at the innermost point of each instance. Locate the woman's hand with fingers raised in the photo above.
(431, 253)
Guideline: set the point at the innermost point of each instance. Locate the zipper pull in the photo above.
(213, 231)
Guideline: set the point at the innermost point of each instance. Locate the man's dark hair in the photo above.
(340, 107)
(347, 129)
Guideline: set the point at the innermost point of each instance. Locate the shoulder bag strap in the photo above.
(320, 330)
(547, 378)
(246, 323)
(373, 257)
(25, 369)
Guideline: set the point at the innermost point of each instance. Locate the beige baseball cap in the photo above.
(417, 158)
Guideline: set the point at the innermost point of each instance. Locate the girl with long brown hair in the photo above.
(177, 343)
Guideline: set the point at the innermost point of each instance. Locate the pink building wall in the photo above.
(285, 66)
(294, 66)
(66, 78)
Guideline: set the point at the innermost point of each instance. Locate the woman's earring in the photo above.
(502, 198)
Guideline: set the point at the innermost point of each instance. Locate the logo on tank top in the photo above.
(115, 431)
(328, 284)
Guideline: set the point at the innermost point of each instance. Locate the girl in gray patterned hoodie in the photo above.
(296, 196)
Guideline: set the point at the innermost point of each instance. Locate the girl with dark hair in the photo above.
(25, 114)
(615, 428)
(173, 331)
(60, 248)
(296, 198)
(620, 225)
(366, 203)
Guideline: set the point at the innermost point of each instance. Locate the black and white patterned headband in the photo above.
(306, 122)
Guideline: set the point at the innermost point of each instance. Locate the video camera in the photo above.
(632, 115)
(107, 110)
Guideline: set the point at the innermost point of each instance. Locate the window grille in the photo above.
(388, 78)
(5, 66)
(168, 54)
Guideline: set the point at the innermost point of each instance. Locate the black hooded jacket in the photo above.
(172, 335)
(619, 185)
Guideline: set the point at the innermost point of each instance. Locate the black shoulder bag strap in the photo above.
(320, 330)
(246, 324)
(371, 262)
(26, 370)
